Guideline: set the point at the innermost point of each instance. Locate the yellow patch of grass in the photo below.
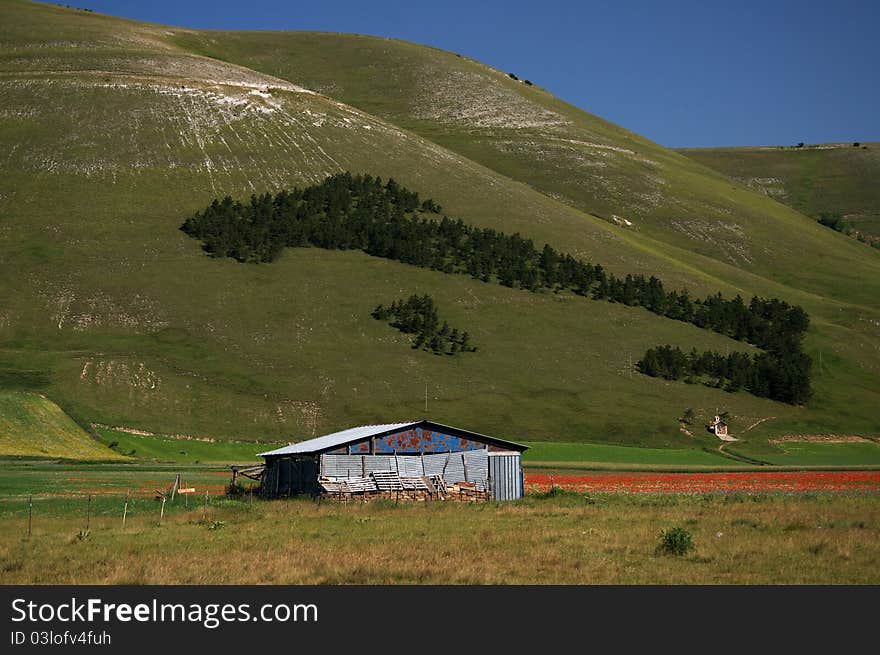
(31, 425)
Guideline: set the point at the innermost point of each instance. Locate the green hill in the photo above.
(667, 201)
(33, 426)
(114, 131)
(830, 178)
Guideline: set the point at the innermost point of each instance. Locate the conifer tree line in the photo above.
(384, 219)
(783, 377)
(417, 315)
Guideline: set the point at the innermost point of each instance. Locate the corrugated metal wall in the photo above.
(468, 466)
(505, 475)
(501, 472)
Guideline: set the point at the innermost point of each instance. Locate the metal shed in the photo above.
(416, 457)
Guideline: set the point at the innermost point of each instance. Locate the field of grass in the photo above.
(47, 480)
(825, 454)
(583, 453)
(33, 426)
(574, 458)
(115, 130)
(555, 539)
(183, 451)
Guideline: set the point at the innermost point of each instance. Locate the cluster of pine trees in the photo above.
(417, 315)
(784, 378)
(782, 372)
(384, 219)
(343, 212)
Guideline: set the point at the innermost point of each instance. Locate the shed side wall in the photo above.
(505, 473)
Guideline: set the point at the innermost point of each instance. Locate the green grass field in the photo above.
(116, 130)
(48, 480)
(568, 456)
(540, 455)
(183, 451)
(606, 454)
(819, 454)
(77, 534)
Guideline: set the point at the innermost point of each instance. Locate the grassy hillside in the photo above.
(33, 426)
(114, 131)
(837, 178)
(529, 135)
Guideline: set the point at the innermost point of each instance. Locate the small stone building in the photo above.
(423, 459)
(719, 428)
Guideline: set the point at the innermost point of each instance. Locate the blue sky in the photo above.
(681, 73)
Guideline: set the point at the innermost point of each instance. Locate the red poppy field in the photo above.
(738, 482)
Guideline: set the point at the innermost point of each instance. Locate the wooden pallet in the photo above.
(387, 480)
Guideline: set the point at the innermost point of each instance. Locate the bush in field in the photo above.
(675, 541)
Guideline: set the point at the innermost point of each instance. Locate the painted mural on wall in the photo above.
(417, 440)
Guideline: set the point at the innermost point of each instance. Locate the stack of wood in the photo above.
(392, 486)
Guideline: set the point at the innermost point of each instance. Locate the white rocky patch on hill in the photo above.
(477, 100)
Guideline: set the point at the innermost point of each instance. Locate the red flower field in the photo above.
(797, 481)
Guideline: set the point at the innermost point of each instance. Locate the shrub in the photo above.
(528, 82)
(234, 490)
(512, 76)
(675, 541)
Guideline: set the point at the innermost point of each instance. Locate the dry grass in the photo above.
(565, 539)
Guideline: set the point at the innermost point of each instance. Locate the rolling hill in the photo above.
(525, 133)
(114, 131)
(835, 178)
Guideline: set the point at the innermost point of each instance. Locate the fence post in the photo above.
(162, 511)
(30, 514)
(125, 508)
(175, 487)
(88, 512)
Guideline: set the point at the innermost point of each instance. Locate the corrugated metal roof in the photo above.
(345, 437)
(337, 438)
